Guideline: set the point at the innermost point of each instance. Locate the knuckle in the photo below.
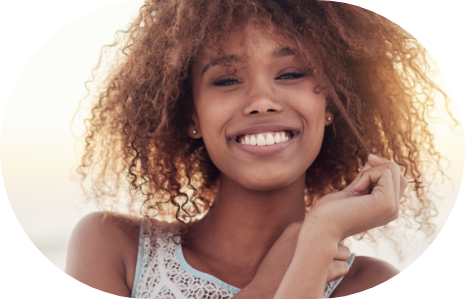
(394, 166)
(343, 253)
(388, 171)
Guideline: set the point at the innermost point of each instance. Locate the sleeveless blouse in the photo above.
(163, 273)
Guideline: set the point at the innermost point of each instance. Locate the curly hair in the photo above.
(375, 75)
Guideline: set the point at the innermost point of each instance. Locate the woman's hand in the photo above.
(339, 267)
(357, 208)
(277, 261)
(371, 200)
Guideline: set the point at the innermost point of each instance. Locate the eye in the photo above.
(226, 81)
(291, 75)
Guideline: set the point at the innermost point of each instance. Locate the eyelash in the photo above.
(231, 80)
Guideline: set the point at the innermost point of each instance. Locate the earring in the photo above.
(194, 132)
(328, 118)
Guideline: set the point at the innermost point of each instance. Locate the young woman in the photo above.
(265, 132)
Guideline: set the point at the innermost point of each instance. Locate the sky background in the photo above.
(38, 155)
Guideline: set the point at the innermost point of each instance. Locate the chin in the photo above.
(268, 183)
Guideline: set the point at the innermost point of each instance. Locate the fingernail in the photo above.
(373, 156)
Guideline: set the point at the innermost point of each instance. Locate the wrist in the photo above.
(317, 226)
(307, 273)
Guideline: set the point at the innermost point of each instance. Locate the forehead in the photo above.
(241, 44)
(232, 58)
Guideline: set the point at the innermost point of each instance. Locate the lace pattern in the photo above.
(164, 273)
(162, 276)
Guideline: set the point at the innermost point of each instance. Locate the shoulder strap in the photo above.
(140, 254)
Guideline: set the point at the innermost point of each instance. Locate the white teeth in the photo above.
(269, 139)
(253, 141)
(264, 138)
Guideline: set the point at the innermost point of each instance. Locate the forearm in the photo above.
(252, 292)
(306, 275)
(312, 249)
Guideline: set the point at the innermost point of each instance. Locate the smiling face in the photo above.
(257, 112)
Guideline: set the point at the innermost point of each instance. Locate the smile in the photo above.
(263, 142)
(265, 139)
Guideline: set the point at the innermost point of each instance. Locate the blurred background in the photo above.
(39, 154)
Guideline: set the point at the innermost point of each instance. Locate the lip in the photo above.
(262, 129)
(266, 150)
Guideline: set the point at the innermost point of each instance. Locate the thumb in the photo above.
(375, 160)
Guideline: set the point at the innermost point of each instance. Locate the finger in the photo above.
(371, 178)
(385, 190)
(376, 161)
(337, 269)
(373, 161)
(368, 178)
(377, 208)
(343, 253)
(396, 178)
(364, 168)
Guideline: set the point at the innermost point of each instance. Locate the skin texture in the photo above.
(102, 252)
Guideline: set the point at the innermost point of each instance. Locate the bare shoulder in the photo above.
(365, 273)
(102, 252)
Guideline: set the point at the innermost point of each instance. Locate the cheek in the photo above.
(311, 107)
(213, 117)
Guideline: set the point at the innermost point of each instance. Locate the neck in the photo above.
(243, 224)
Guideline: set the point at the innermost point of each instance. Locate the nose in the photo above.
(260, 100)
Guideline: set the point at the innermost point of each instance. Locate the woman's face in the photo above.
(257, 112)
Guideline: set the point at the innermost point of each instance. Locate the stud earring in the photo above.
(328, 118)
(194, 132)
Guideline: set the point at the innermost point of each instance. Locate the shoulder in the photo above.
(102, 252)
(365, 273)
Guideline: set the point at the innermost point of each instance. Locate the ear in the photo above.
(329, 117)
(194, 125)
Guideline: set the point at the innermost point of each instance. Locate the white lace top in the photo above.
(163, 273)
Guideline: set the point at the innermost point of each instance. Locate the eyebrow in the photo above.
(277, 52)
